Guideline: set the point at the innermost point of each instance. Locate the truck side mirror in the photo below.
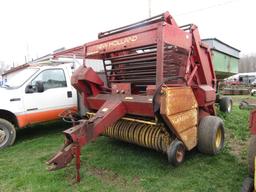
(29, 89)
(39, 86)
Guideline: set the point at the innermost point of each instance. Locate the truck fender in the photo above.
(9, 116)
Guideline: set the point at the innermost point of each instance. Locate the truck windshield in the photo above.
(16, 79)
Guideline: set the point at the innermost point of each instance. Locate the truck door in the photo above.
(55, 97)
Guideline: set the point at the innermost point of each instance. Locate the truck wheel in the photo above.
(252, 155)
(247, 185)
(226, 104)
(176, 153)
(7, 133)
(210, 135)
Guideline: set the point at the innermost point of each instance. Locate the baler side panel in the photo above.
(180, 111)
(135, 105)
(203, 58)
(160, 55)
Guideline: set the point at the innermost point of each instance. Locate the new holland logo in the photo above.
(118, 42)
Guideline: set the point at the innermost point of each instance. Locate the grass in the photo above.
(111, 165)
(237, 122)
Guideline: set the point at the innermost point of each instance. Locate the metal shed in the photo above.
(225, 57)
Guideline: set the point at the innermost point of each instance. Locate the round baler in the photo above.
(159, 92)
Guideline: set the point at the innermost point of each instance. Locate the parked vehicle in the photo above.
(35, 93)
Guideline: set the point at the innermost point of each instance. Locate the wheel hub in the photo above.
(218, 138)
(2, 136)
(180, 154)
(229, 108)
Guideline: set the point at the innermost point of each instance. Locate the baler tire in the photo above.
(225, 104)
(252, 155)
(176, 153)
(247, 185)
(210, 135)
(10, 133)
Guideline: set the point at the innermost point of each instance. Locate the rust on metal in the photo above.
(180, 111)
(62, 158)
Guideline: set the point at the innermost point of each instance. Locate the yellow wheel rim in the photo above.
(218, 138)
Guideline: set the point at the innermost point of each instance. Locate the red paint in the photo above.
(252, 122)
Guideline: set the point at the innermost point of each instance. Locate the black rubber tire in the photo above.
(176, 153)
(243, 105)
(207, 135)
(252, 155)
(217, 100)
(226, 104)
(10, 133)
(248, 185)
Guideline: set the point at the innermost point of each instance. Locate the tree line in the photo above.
(247, 63)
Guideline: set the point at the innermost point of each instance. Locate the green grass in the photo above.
(111, 165)
(237, 122)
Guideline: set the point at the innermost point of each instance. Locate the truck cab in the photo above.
(34, 94)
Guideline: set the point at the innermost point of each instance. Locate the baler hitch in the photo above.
(64, 157)
(86, 131)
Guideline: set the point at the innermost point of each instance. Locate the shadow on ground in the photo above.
(41, 130)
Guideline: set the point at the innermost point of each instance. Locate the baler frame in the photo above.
(170, 62)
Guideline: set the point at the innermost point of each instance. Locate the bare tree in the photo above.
(247, 63)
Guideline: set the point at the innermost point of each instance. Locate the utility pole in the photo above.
(28, 55)
(149, 8)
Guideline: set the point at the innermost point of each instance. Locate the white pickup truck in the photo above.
(33, 94)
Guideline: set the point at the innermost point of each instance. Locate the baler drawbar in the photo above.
(159, 91)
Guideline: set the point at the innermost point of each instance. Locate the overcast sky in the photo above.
(34, 28)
